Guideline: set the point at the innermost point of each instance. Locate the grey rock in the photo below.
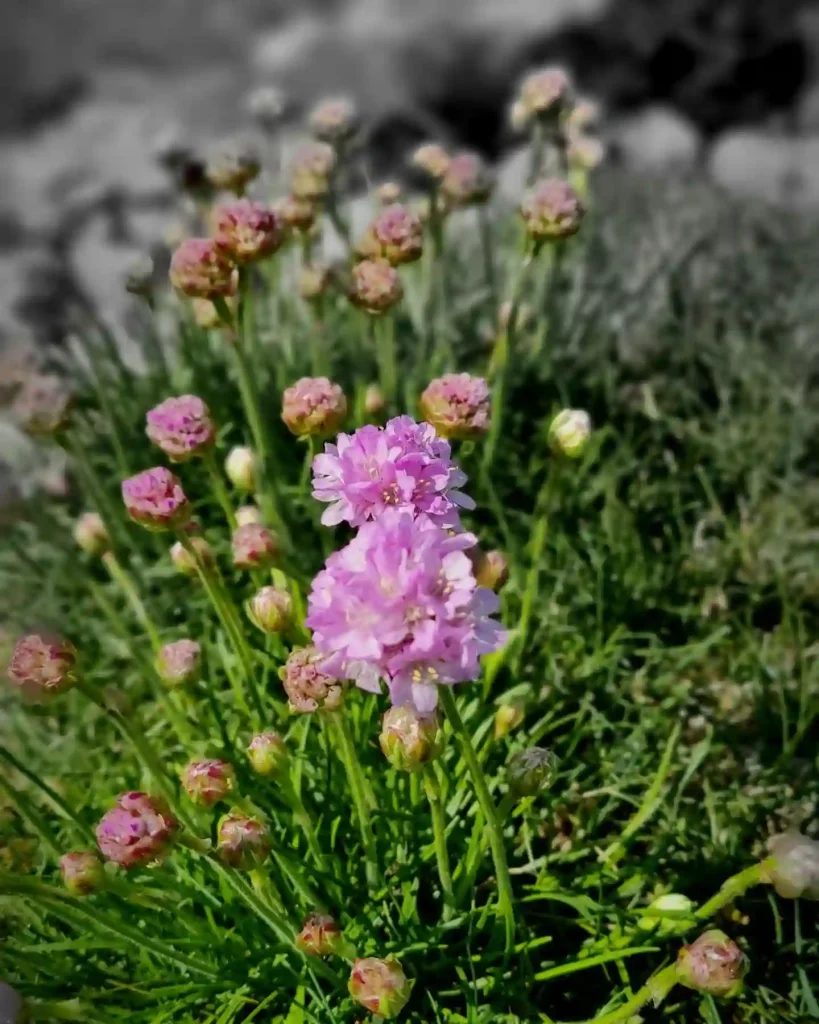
(766, 166)
(657, 139)
(12, 1007)
(808, 113)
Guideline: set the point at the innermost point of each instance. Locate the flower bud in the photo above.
(457, 405)
(432, 160)
(207, 316)
(508, 717)
(315, 281)
(380, 986)
(140, 277)
(544, 94)
(396, 235)
(155, 500)
(569, 433)
(491, 570)
(530, 771)
(467, 180)
(320, 936)
(254, 547)
(248, 514)
(240, 467)
(42, 666)
(136, 831)
(585, 152)
(177, 663)
(334, 120)
(208, 782)
(519, 117)
(375, 286)
(552, 211)
(314, 407)
(201, 270)
(296, 213)
(91, 535)
(672, 901)
(584, 114)
(308, 688)
(247, 231)
(795, 871)
(388, 193)
(82, 873)
(374, 401)
(270, 610)
(181, 427)
(266, 105)
(184, 561)
(42, 406)
(232, 166)
(712, 964)
(243, 843)
(408, 739)
(12, 1006)
(267, 753)
(311, 170)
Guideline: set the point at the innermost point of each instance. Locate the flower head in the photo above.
(91, 534)
(334, 120)
(530, 771)
(267, 753)
(208, 782)
(713, 963)
(400, 603)
(795, 871)
(375, 286)
(432, 160)
(552, 210)
(396, 235)
(569, 432)
(388, 193)
(545, 93)
(43, 405)
(457, 405)
(296, 212)
(42, 666)
(254, 546)
(380, 986)
(184, 561)
(178, 662)
(181, 426)
(314, 407)
(248, 514)
(308, 687)
(401, 465)
(207, 315)
(242, 842)
(247, 231)
(270, 610)
(240, 467)
(155, 499)
(410, 740)
(201, 270)
(585, 152)
(82, 872)
(320, 936)
(137, 830)
(670, 903)
(232, 166)
(467, 180)
(310, 172)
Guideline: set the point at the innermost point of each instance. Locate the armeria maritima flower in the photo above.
(254, 546)
(267, 753)
(314, 407)
(396, 235)
(311, 169)
(232, 165)
(408, 739)
(432, 160)
(42, 666)
(713, 963)
(530, 771)
(320, 935)
(375, 286)
(240, 468)
(457, 405)
(155, 499)
(181, 426)
(467, 180)
(308, 686)
(795, 870)
(270, 609)
(380, 985)
(242, 842)
(247, 231)
(201, 270)
(552, 211)
(91, 534)
(82, 873)
(334, 119)
(137, 830)
(400, 604)
(178, 662)
(401, 465)
(43, 405)
(545, 93)
(208, 781)
(296, 212)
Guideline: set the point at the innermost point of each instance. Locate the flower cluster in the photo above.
(137, 830)
(181, 427)
(396, 235)
(155, 499)
(457, 405)
(313, 407)
(42, 666)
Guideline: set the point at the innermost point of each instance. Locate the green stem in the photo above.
(54, 799)
(309, 455)
(505, 893)
(121, 577)
(384, 337)
(433, 790)
(543, 506)
(304, 820)
(536, 153)
(488, 251)
(656, 988)
(736, 886)
(352, 766)
(220, 490)
(29, 813)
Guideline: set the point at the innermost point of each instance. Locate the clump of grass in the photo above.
(647, 725)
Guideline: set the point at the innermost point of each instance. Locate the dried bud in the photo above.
(247, 231)
(388, 193)
(408, 739)
(374, 400)
(380, 986)
(177, 663)
(375, 286)
(91, 535)
(320, 936)
(334, 120)
(181, 427)
(201, 270)
(12, 1006)
(315, 281)
(546, 93)
(42, 666)
(208, 782)
(314, 407)
(155, 500)
(467, 180)
(569, 433)
(232, 166)
(297, 214)
(712, 964)
(243, 843)
(254, 546)
(267, 753)
(307, 687)
(184, 560)
(248, 514)
(552, 211)
(270, 610)
(140, 277)
(457, 405)
(508, 717)
(43, 405)
(311, 170)
(396, 235)
(431, 159)
(240, 467)
(530, 771)
(491, 569)
(136, 831)
(82, 873)
(266, 105)
(795, 871)
(672, 902)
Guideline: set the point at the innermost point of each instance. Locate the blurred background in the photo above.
(722, 90)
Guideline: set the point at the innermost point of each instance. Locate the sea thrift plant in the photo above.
(408, 739)
(267, 753)
(308, 686)
(177, 663)
(375, 286)
(181, 427)
(82, 872)
(155, 500)
(246, 231)
(467, 180)
(242, 842)
(314, 407)
(240, 468)
(396, 235)
(200, 269)
(254, 546)
(713, 964)
(457, 405)
(320, 936)
(380, 986)
(552, 211)
(91, 534)
(334, 120)
(270, 610)
(42, 666)
(136, 831)
(208, 782)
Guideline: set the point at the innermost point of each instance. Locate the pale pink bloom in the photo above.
(42, 666)
(137, 830)
(457, 405)
(552, 210)
(155, 499)
(313, 407)
(181, 426)
(247, 231)
(201, 270)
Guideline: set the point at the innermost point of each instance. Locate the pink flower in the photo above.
(546, 92)
(308, 686)
(247, 231)
(552, 211)
(181, 427)
(42, 666)
(207, 782)
(201, 270)
(400, 603)
(242, 842)
(396, 235)
(320, 936)
(178, 662)
(312, 166)
(375, 286)
(313, 407)
(254, 546)
(334, 119)
(401, 465)
(380, 986)
(267, 753)
(432, 159)
(138, 829)
(467, 180)
(457, 405)
(155, 499)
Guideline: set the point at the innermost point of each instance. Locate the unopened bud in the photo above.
(314, 407)
(266, 105)
(177, 663)
(334, 120)
(315, 281)
(240, 467)
(712, 964)
(388, 193)
(308, 688)
(267, 753)
(248, 514)
(530, 771)
(457, 405)
(408, 739)
(795, 870)
(184, 561)
(375, 286)
(91, 535)
(208, 782)
(270, 610)
(82, 873)
(232, 166)
(673, 902)
(380, 986)
(508, 717)
(320, 936)
(491, 570)
(431, 159)
(242, 842)
(569, 432)
(254, 547)
(552, 211)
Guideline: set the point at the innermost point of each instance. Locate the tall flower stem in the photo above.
(657, 987)
(432, 788)
(91, 481)
(536, 151)
(352, 766)
(220, 490)
(543, 509)
(488, 253)
(122, 578)
(304, 820)
(505, 894)
(736, 886)
(384, 337)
